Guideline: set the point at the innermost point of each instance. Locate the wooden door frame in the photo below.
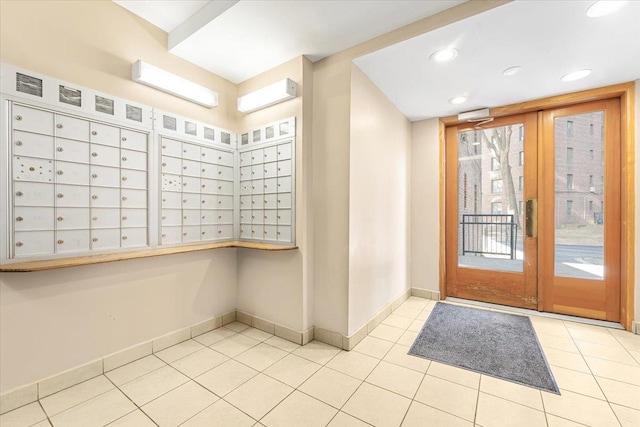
(623, 91)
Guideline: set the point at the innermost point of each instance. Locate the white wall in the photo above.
(55, 320)
(425, 205)
(379, 188)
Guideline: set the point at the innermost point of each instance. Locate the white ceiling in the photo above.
(240, 39)
(547, 38)
(254, 36)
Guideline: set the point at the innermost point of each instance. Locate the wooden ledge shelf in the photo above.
(53, 264)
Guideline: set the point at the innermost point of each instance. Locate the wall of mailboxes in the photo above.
(85, 173)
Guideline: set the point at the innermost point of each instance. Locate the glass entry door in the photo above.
(533, 210)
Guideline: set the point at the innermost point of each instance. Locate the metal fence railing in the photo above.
(489, 234)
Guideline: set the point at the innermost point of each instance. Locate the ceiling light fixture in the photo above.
(458, 100)
(267, 96)
(160, 79)
(602, 8)
(444, 55)
(575, 75)
(512, 71)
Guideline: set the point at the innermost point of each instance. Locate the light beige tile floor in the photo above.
(239, 376)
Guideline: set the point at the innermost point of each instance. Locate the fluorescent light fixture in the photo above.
(576, 75)
(458, 100)
(160, 79)
(512, 71)
(475, 114)
(444, 55)
(267, 96)
(602, 8)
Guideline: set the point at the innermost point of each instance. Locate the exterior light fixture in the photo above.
(160, 79)
(267, 96)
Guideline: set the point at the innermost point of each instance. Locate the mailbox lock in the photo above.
(124, 159)
(94, 154)
(60, 172)
(60, 241)
(60, 149)
(124, 218)
(124, 178)
(124, 138)
(93, 132)
(124, 237)
(124, 198)
(19, 219)
(59, 195)
(18, 143)
(95, 175)
(94, 197)
(95, 239)
(18, 118)
(19, 244)
(19, 193)
(60, 218)
(59, 126)
(95, 218)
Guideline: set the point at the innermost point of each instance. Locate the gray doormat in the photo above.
(501, 345)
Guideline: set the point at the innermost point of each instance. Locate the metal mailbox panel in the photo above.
(191, 217)
(105, 197)
(133, 160)
(191, 233)
(105, 239)
(133, 217)
(284, 216)
(270, 217)
(225, 187)
(257, 186)
(171, 182)
(245, 216)
(225, 216)
(245, 173)
(133, 237)
(133, 179)
(72, 173)
(245, 231)
(225, 202)
(224, 158)
(191, 201)
(171, 217)
(270, 185)
(32, 120)
(271, 170)
(208, 186)
(171, 165)
(284, 201)
(32, 145)
(270, 232)
(190, 168)
(284, 168)
(72, 241)
(105, 218)
(270, 201)
(133, 198)
(245, 158)
(171, 148)
(208, 201)
(171, 235)
(284, 151)
(209, 232)
(72, 196)
(270, 154)
(284, 233)
(207, 155)
(225, 173)
(257, 216)
(284, 184)
(72, 151)
(257, 156)
(257, 171)
(72, 127)
(72, 218)
(105, 176)
(208, 216)
(33, 194)
(225, 231)
(31, 218)
(257, 232)
(191, 184)
(208, 170)
(31, 169)
(132, 140)
(191, 151)
(105, 156)
(34, 243)
(246, 202)
(171, 200)
(105, 134)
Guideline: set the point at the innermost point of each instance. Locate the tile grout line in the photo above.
(138, 408)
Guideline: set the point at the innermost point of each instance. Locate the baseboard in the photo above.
(297, 337)
(425, 293)
(24, 395)
(635, 327)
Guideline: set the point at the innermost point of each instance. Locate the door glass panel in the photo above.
(579, 195)
(490, 198)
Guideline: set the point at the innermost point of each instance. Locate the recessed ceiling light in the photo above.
(458, 99)
(512, 71)
(444, 55)
(576, 75)
(602, 8)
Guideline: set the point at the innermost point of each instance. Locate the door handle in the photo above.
(531, 218)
